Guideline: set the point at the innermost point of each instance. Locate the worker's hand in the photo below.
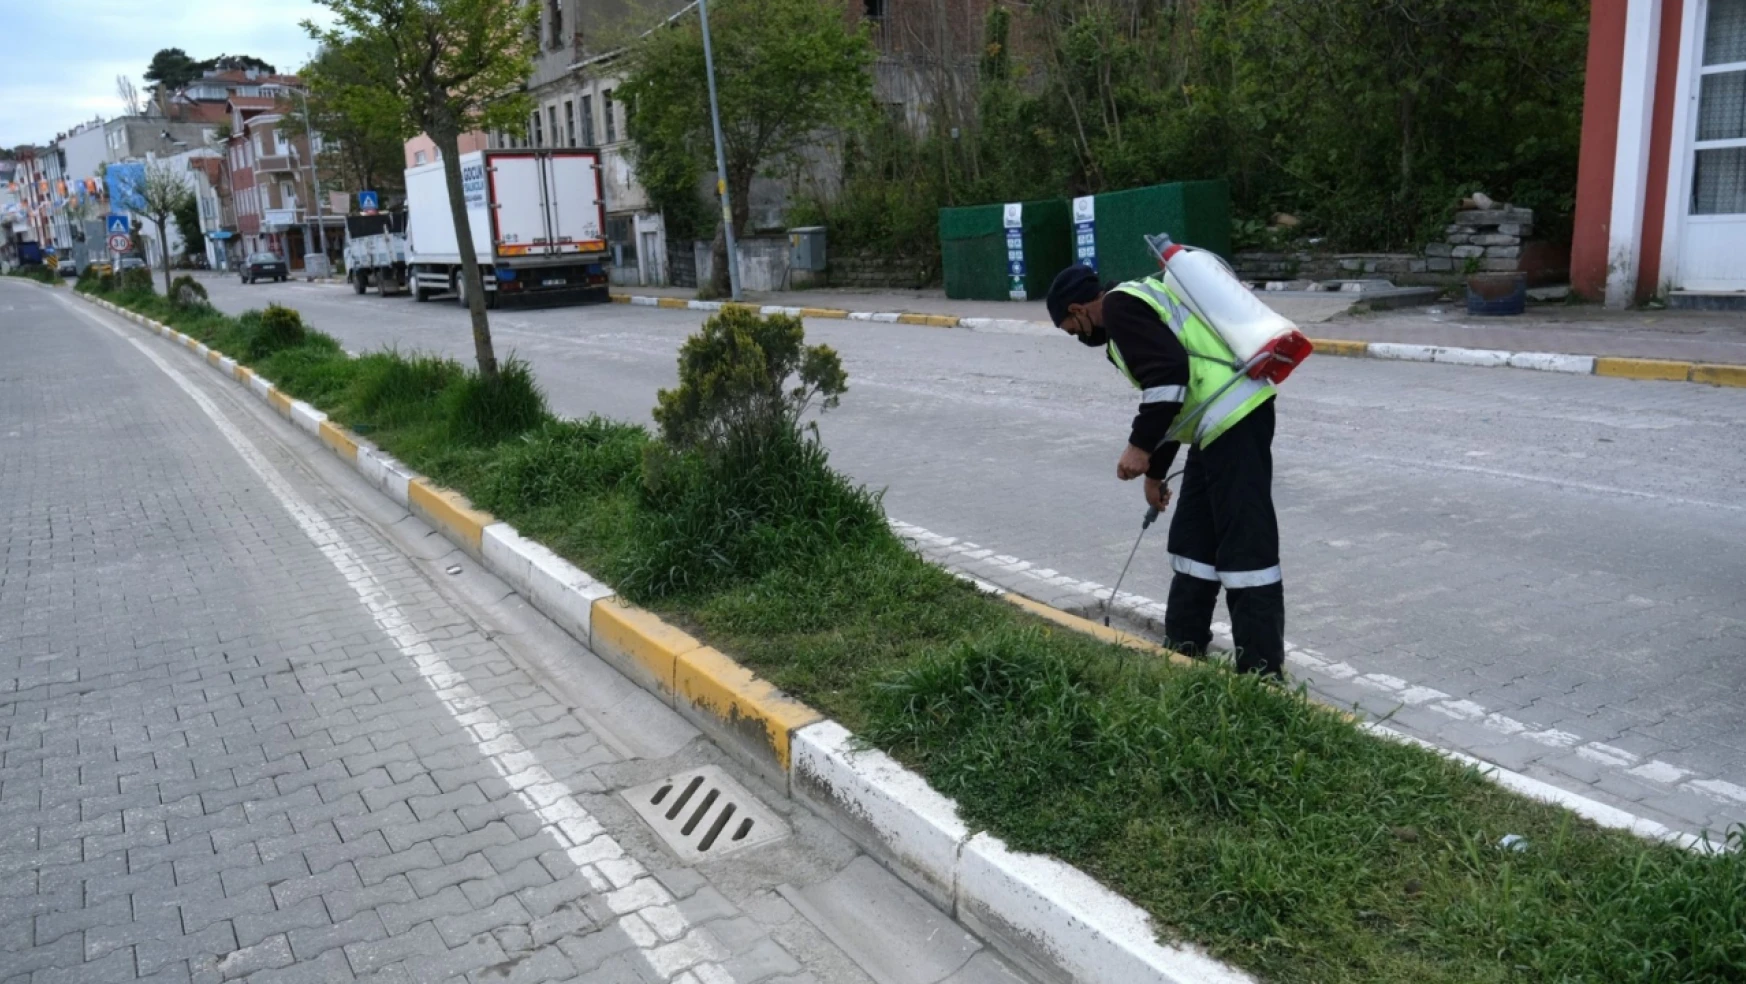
(1133, 464)
(1157, 494)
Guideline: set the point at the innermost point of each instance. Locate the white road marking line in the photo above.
(1147, 609)
(681, 954)
(1548, 480)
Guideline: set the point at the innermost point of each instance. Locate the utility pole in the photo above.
(721, 185)
(314, 173)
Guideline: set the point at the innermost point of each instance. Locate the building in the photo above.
(277, 196)
(1661, 188)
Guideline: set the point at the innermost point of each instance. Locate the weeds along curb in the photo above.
(1714, 374)
(1043, 913)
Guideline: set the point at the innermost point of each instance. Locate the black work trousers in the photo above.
(1225, 534)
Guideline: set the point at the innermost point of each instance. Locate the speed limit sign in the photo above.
(120, 243)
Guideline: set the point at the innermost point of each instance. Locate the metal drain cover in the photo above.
(703, 813)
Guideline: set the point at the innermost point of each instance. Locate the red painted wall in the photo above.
(1660, 149)
(1600, 134)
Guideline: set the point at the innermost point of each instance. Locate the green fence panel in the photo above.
(1004, 252)
(1113, 229)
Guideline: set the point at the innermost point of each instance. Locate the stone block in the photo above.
(1503, 252)
(1437, 249)
(1440, 264)
(1417, 266)
(1496, 216)
(1459, 238)
(1496, 239)
(1464, 252)
(1500, 264)
(1515, 229)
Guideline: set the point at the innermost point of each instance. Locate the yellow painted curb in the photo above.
(620, 298)
(1088, 627)
(279, 400)
(1340, 346)
(449, 510)
(1642, 369)
(931, 320)
(189, 341)
(244, 374)
(638, 642)
(823, 313)
(670, 302)
(339, 440)
(214, 356)
(1718, 375)
(754, 710)
(733, 306)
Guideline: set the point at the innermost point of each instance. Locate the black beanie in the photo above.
(1078, 284)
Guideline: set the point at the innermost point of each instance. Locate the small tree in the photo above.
(785, 71)
(171, 69)
(188, 226)
(445, 67)
(364, 134)
(163, 193)
(744, 379)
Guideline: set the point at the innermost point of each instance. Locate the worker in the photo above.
(1224, 532)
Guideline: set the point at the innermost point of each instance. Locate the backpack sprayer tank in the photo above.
(1267, 344)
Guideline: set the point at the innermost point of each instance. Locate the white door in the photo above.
(1713, 245)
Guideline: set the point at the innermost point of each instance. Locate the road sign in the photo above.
(120, 243)
(118, 225)
(367, 201)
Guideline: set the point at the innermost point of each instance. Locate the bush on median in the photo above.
(1240, 815)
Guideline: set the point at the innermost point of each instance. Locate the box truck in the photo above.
(538, 221)
(376, 252)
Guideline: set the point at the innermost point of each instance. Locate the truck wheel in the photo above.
(358, 283)
(418, 293)
(461, 289)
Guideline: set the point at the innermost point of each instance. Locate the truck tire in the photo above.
(385, 285)
(357, 282)
(418, 293)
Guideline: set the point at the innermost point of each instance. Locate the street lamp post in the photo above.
(727, 210)
(314, 173)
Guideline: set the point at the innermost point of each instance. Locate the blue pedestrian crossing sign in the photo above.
(367, 201)
(119, 225)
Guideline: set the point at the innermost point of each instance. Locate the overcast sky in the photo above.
(59, 60)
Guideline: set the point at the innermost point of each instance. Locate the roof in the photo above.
(254, 102)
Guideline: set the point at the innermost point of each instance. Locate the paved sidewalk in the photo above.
(244, 734)
(1573, 329)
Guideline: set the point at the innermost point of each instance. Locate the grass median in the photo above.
(1240, 815)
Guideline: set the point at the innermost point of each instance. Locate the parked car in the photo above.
(263, 266)
(132, 263)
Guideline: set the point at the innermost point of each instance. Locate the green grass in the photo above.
(1240, 815)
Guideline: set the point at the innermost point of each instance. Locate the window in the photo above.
(539, 138)
(606, 111)
(552, 123)
(555, 32)
(257, 142)
(875, 9)
(418, 157)
(569, 123)
(287, 195)
(587, 121)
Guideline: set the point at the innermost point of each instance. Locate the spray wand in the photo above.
(1146, 524)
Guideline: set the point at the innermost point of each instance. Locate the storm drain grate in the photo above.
(703, 813)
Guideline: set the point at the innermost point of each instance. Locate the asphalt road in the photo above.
(1544, 570)
(256, 721)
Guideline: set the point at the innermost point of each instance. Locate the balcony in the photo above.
(275, 163)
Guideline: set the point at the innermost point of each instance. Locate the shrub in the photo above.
(187, 292)
(273, 330)
(734, 378)
(40, 274)
(92, 282)
(484, 410)
(135, 278)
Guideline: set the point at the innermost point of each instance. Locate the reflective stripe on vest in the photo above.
(1219, 393)
(1164, 394)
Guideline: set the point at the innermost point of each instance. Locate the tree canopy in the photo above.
(173, 68)
(787, 72)
(364, 135)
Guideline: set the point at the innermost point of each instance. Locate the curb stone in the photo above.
(1713, 374)
(1041, 912)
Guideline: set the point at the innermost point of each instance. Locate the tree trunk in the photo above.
(164, 248)
(449, 145)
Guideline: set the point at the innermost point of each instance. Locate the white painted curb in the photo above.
(307, 418)
(887, 809)
(1058, 916)
(560, 589)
